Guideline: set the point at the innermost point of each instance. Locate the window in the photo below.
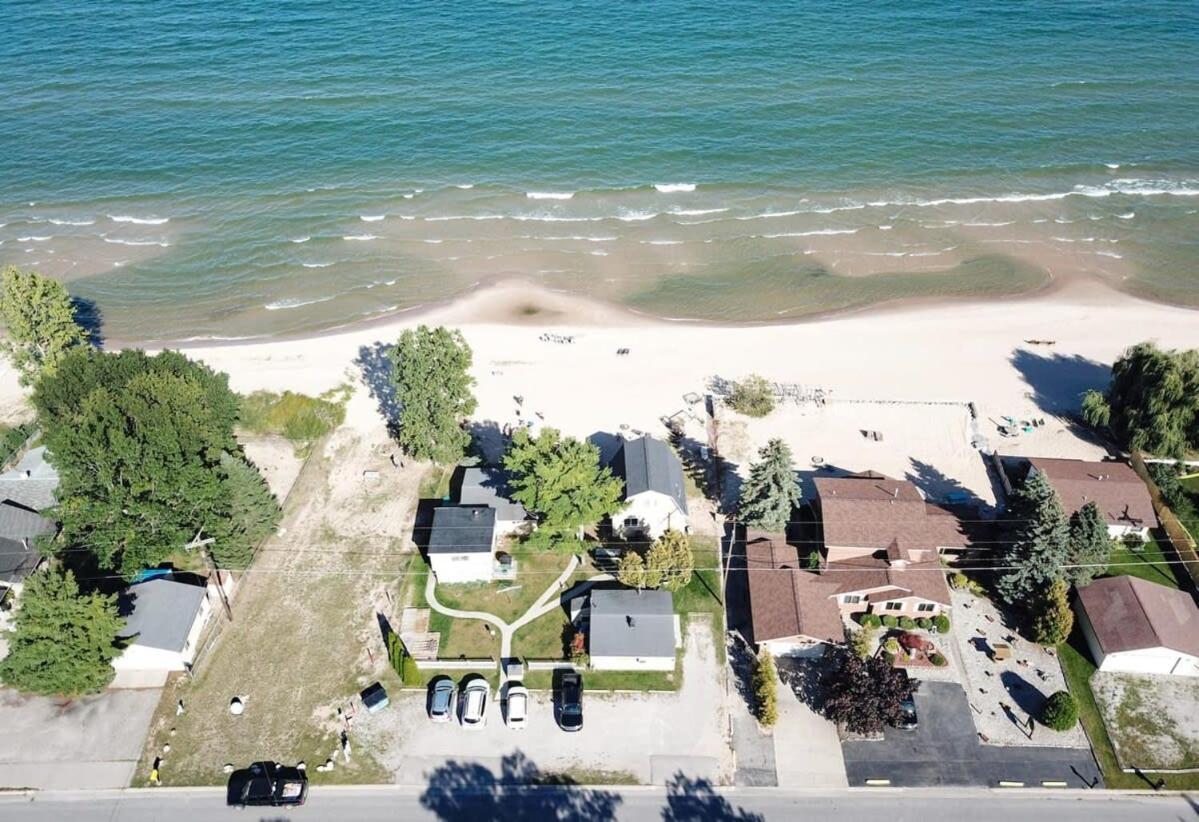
(632, 522)
(851, 599)
(894, 605)
(926, 607)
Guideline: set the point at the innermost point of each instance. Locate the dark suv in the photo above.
(570, 702)
(267, 783)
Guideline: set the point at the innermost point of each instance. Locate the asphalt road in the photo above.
(634, 805)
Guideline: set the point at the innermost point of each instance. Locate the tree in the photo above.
(41, 322)
(765, 684)
(1060, 711)
(1041, 545)
(1053, 619)
(254, 514)
(1090, 545)
(560, 479)
(62, 642)
(433, 388)
(671, 559)
(866, 695)
(1152, 403)
(861, 641)
(752, 397)
(631, 571)
(772, 491)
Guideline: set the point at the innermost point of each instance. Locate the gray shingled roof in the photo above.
(647, 464)
(462, 530)
(32, 482)
(489, 486)
(160, 612)
(631, 623)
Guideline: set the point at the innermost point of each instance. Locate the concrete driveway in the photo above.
(807, 750)
(91, 742)
(945, 750)
(651, 736)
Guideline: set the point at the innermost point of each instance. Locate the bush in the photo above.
(962, 582)
(907, 623)
(861, 642)
(888, 657)
(297, 417)
(1060, 712)
(766, 689)
(891, 646)
(942, 623)
(939, 660)
(869, 620)
(752, 397)
(924, 623)
(890, 621)
(13, 438)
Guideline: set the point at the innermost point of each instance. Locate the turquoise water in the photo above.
(241, 169)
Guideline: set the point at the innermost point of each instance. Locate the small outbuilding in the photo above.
(164, 618)
(462, 543)
(632, 630)
(1136, 626)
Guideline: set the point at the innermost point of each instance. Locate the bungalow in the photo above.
(489, 487)
(1121, 495)
(1135, 626)
(793, 612)
(164, 617)
(632, 630)
(462, 543)
(20, 529)
(655, 499)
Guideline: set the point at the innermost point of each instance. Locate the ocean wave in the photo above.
(661, 242)
(124, 218)
(360, 237)
(380, 282)
(885, 228)
(670, 188)
(464, 186)
(118, 241)
(549, 195)
(633, 216)
(449, 217)
(303, 239)
(371, 218)
(820, 232)
(1112, 166)
(432, 242)
(1111, 254)
(280, 305)
(316, 265)
(34, 238)
(768, 215)
(695, 212)
(54, 221)
(570, 237)
(988, 225)
(1127, 216)
(598, 253)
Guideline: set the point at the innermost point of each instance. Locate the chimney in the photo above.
(26, 474)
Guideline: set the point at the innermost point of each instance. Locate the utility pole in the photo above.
(203, 544)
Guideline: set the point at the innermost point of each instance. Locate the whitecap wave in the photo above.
(432, 242)
(280, 305)
(1112, 166)
(360, 237)
(695, 212)
(634, 216)
(988, 225)
(820, 232)
(316, 265)
(465, 186)
(549, 195)
(34, 238)
(448, 217)
(54, 221)
(671, 188)
(1111, 254)
(769, 215)
(303, 239)
(885, 228)
(125, 218)
(1127, 216)
(371, 218)
(661, 242)
(598, 253)
(118, 241)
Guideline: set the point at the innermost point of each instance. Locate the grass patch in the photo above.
(435, 484)
(460, 638)
(509, 599)
(1148, 563)
(297, 417)
(586, 776)
(598, 681)
(702, 594)
(542, 638)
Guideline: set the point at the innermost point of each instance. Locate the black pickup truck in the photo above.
(267, 783)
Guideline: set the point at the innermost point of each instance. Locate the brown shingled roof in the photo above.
(784, 600)
(1120, 494)
(876, 511)
(918, 579)
(1131, 614)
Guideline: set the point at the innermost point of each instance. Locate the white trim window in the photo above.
(925, 607)
(851, 599)
(894, 605)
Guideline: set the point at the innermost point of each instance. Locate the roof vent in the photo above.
(474, 513)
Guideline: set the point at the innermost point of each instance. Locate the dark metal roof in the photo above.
(631, 623)
(462, 530)
(647, 464)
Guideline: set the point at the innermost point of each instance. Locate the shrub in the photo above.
(939, 660)
(869, 620)
(861, 641)
(891, 646)
(752, 397)
(12, 439)
(765, 684)
(942, 623)
(890, 621)
(1060, 712)
(298, 417)
(907, 623)
(924, 623)
(964, 583)
(888, 657)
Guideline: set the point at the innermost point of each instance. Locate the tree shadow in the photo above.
(741, 662)
(1026, 695)
(488, 441)
(90, 318)
(377, 372)
(696, 800)
(940, 487)
(805, 678)
(1058, 381)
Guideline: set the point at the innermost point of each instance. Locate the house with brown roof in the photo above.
(794, 612)
(1136, 626)
(883, 543)
(1114, 487)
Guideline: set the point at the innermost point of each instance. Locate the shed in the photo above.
(1136, 626)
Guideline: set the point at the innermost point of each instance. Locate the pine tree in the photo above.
(671, 559)
(772, 491)
(631, 571)
(1054, 620)
(1090, 545)
(431, 375)
(765, 684)
(254, 514)
(62, 642)
(1041, 545)
(41, 322)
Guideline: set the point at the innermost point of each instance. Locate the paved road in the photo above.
(630, 805)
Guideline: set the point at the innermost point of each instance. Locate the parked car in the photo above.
(518, 706)
(269, 784)
(908, 720)
(442, 695)
(570, 702)
(475, 697)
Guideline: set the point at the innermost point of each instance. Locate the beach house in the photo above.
(164, 617)
(631, 630)
(1121, 495)
(488, 486)
(20, 531)
(1136, 626)
(793, 612)
(462, 543)
(654, 497)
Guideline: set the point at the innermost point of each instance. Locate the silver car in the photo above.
(475, 697)
(441, 699)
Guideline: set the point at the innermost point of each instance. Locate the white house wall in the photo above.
(1160, 661)
(632, 663)
(455, 568)
(658, 513)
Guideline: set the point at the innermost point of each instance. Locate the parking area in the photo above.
(89, 743)
(642, 737)
(945, 751)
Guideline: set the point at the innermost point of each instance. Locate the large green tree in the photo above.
(671, 558)
(40, 321)
(560, 480)
(62, 641)
(772, 490)
(1090, 545)
(253, 514)
(433, 388)
(1053, 620)
(1152, 403)
(145, 451)
(1041, 543)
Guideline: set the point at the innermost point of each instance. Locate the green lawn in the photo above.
(542, 639)
(616, 680)
(460, 638)
(508, 600)
(1149, 563)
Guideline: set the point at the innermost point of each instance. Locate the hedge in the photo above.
(1060, 712)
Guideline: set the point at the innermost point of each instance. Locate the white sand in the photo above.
(953, 351)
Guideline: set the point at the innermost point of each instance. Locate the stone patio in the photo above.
(1003, 695)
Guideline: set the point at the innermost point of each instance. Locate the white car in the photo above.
(517, 715)
(474, 699)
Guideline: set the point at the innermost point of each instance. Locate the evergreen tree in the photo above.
(432, 380)
(772, 491)
(41, 322)
(560, 479)
(671, 559)
(1041, 545)
(632, 572)
(62, 642)
(254, 514)
(1053, 620)
(1090, 545)
(765, 684)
